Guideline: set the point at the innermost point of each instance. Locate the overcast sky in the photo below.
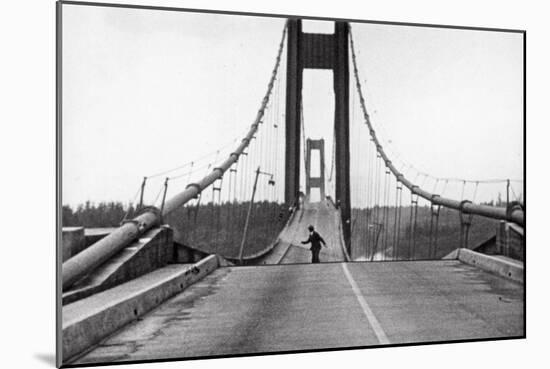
(144, 91)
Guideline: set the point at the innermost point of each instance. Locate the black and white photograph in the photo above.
(241, 184)
(235, 183)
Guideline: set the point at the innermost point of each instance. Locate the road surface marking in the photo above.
(366, 309)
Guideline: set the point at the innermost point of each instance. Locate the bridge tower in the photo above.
(315, 182)
(318, 51)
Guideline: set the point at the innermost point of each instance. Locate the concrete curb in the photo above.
(504, 267)
(288, 246)
(88, 321)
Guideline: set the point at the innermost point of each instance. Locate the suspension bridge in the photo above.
(210, 260)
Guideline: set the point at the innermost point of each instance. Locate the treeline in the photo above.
(212, 228)
(501, 203)
(91, 215)
(399, 237)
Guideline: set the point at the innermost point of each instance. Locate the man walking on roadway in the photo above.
(315, 239)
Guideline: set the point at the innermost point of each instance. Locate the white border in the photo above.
(27, 30)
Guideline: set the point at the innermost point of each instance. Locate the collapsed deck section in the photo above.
(326, 220)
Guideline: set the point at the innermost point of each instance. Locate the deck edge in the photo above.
(80, 335)
(508, 269)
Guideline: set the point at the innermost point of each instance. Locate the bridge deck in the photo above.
(298, 307)
(324, 217)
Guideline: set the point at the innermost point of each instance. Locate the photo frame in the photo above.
(208, 260)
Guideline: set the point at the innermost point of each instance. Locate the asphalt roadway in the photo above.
(259, 309)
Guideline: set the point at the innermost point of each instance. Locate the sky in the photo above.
(145, 91)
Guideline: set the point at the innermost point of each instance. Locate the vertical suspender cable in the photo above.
(397, 219)
(414, 228)
(409, 254)
(378, 225)
(386, 207)
(368, 218)
(164, 198)
(142, 192)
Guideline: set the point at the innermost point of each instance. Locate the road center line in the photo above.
(380, 334)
